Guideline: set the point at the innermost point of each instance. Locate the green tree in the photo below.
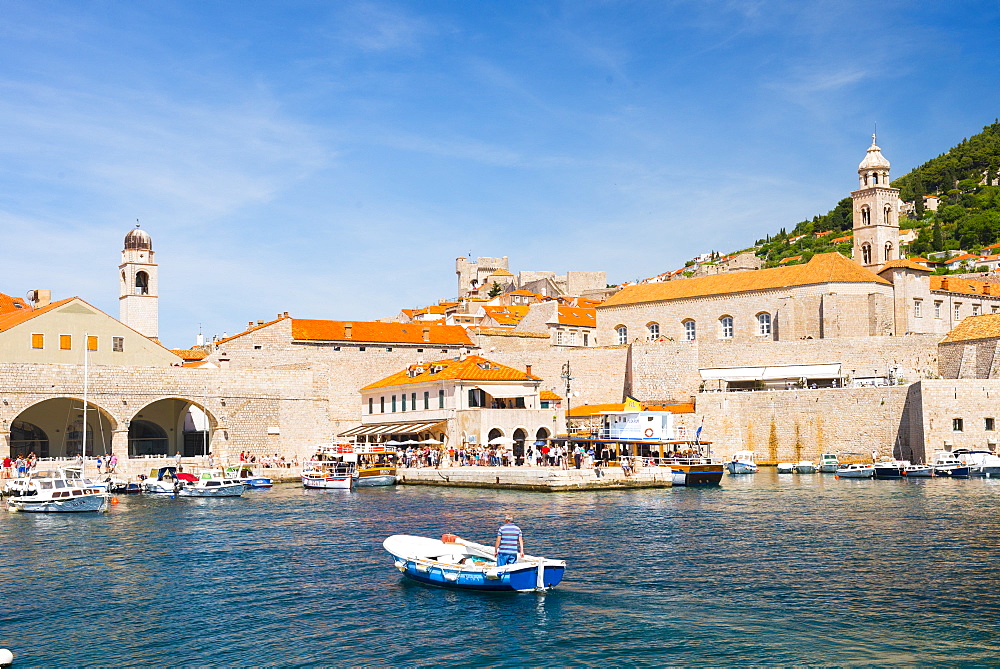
(937, 239)
(495, 290)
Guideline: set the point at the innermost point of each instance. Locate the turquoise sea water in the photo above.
(764, 570)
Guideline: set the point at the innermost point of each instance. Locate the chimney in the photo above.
(285, 315)
(260, 322)
(986, 289)
(944, 283)
(223, 363)
(42, 297)
(427, 333)
(527, 369)
(249, 325)
(347, 330)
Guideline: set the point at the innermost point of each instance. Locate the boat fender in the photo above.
(492, 574)
(6, 657)
(449, 539)
(648, 432)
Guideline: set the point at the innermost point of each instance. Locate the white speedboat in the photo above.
(980, 463)
(742, 463)
(856, 471)
(53, 492)
(947, 465)
(918, 471)
(805, 467)
(162, 481)
(213, 484)
(76, 472)
(786, 467)
(829, 463)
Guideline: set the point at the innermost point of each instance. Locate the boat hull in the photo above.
(521, 579)
(328, 482)
(259, 483)
(696, 474)
(741, 467)
(889, 472)
(375, 481)
(93, 502)
(225, 490)
(856, 473)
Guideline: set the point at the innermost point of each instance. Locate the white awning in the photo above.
(502, 392)
(390, 428)
(732, 374)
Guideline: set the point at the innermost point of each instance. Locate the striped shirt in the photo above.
(509, 533)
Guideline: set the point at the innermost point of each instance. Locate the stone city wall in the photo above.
(970, 402)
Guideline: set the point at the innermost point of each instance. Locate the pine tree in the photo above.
(937, 241)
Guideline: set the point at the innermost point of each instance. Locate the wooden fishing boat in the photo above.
(452, 562)
(376, 465)
(332, 466)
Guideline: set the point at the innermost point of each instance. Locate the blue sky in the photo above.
(332, 159)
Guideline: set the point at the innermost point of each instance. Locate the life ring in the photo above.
(649, 432)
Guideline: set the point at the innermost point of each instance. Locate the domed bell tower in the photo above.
(876, 212)
(138, 305)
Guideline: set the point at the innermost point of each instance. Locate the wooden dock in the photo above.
(538, 479)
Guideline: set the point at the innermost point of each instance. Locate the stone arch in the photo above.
(866, 254)
(866, 215)
(542, 433)
(55, 425)
(141, 283)
(187, 426)
(519, 436)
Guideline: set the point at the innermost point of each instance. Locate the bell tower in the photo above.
(876, 212)
(138, 305)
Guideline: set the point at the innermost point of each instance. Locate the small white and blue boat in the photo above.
(246, 474)
(451, 562)
(742, 463)
(829, 463)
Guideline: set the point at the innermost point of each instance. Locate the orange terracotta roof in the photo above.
(964, 256)
(501, 272)
(16, 317)
(986, 326)
(839, 240)
(9, 303)
(579, 316)
(823, 268)
(506, 332)
(190, 354)
(785, 261)
(473, 368)
(249, 330)
(522, 292)
(822, 234)
(548, 395)
(908, 263)
(382, 333)
(954, 284)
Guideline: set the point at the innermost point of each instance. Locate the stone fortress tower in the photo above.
(472, 273)
(876, 212)
(138, 285)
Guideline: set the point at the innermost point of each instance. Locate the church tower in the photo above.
(876, 212)
(138, 305)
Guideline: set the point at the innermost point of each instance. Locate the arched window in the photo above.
(28, 438)
(654, 331)
(622, 334)
(141, 283)
(866, 215)
(886, 212)
(726, 327)
(689, 330)
(764, 324)
(146, 438)
(888, 251)
(866, 254)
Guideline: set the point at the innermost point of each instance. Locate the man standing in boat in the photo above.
(510, 542)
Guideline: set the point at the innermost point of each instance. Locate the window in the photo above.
(381, 404)
(956, 425)
(427, 400)
(994, 309)
(65, 342)
(866, 250)
(917, 313)
(371, 405)
(361, 348)
(764, 324)
(141, 283)
(990, 425)
(388, 349)
(544, 404)
(394, 404)
(559, 337)
(403, 396)
(622, 335)
(586, 337)
(689, 330)
(413, 401)
(726, 325)
(866, 219)
(958, 307)
(937, 308)
(441, 398)
(975, 309)
(654, 331)
(37, 341)
(118, 344)
(475, 398)
(572, 338)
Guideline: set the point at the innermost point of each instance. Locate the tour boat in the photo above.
(856, 471)
(918, 471)
(54, 492)
(376, 465)
(212, 483)
(890, 469)
(452, 562)
(805, 467)
(244, 473)
(786, 467)
(829, 463)
(742, 463)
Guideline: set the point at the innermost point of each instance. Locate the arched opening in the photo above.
(147, 438)
(541, 433)
(141, 283)
(886, 212)
(726, 327)
(866, 254)
(28, 438)
(622, 333)
(764, 324)
(53, 428)
(518, 449)
(689, 330)
(196, 432)
(866, 215)
(888, 251)
(495, 433)
(654, 331)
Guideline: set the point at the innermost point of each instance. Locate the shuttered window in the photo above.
(37, 341)
(91, 343)
(65, 342)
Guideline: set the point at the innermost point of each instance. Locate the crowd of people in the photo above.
(19, 466)
(269, 461)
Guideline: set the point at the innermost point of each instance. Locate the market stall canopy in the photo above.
(391, 428)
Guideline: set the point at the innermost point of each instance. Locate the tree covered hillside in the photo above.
(968, 216)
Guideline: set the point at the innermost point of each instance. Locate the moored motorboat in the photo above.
(918, 471)
(244, 472)
(856, 471)
(376, 465)
(980, 463)
(452, 562)
(805, 467)
(162, 481)
(742, 463)
(829, 463)
(212, 483)
(948, 465)
(889, 469)
(332, 466)
(53, 492)
(786, 467)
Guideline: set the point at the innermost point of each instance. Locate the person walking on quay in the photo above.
(7, 464)
(510, 542)
(177, 459)
(112, 463)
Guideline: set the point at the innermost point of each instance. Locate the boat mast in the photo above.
(83, 444)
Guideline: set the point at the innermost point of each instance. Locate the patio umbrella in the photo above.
(497, 441)
(392, 442)
(409, 441)
(431, 441)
